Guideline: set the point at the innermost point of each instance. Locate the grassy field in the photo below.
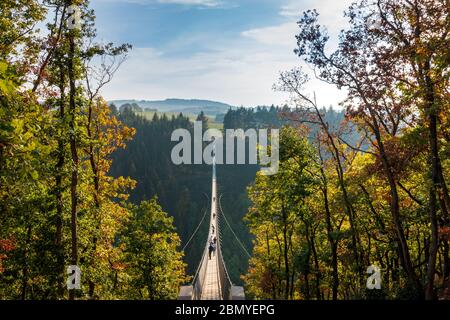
(211, 121)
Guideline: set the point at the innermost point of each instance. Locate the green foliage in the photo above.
(56, 140)
(383, 198)
(279, 211)
(154, 267)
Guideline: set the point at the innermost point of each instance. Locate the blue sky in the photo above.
(224, 50)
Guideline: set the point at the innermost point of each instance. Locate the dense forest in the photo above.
(59, 206)
(89, 184)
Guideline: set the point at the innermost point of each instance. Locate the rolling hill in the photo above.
(186, 106)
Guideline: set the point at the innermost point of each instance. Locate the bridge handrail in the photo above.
(225, 281)
(201, 269)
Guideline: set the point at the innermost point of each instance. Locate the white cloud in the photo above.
(331, 12)
(291, 9)
(280, 35)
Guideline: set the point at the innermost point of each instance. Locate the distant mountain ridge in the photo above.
(186, 106)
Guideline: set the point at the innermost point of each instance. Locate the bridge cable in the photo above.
(196, 229)
(242, 271)
(225, 218)
(199, 267)
(219, 234)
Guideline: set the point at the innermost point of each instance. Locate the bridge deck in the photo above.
(211, 288)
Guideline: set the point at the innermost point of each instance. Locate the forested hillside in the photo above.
(185, 106)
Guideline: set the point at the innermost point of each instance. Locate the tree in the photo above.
(154, 265)
(278, 208)
(366, 100)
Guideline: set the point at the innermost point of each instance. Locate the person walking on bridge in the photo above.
(214, 246)
(211, 248)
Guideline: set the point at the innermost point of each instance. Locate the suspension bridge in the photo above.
(211, 280)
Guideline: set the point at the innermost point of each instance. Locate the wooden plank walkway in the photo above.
(211, 286)
(211, 289)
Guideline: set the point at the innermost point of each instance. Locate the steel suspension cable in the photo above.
(196, 229)
(232, 231)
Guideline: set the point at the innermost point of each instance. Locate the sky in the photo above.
(230, 51)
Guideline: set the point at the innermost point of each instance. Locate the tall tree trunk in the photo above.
(96, 182)
(347, 204)
(58, 186)
(435, 183)
(74, 153)
(308, 257)
(395, 207)
(274, 293)
(438, 187)
(285, 254)
(445, 221)
(316, 265)
(332, 242)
